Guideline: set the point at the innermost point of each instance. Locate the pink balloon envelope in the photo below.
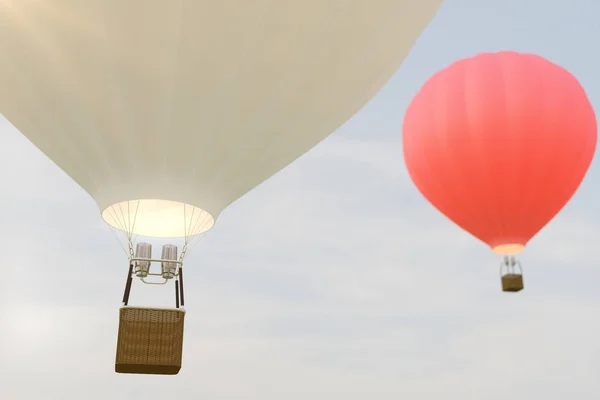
(499, 143)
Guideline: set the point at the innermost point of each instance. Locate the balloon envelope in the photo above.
(499, 143)
(174, 102)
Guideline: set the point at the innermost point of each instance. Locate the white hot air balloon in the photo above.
(167, 111)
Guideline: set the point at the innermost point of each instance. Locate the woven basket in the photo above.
(512, 283)
(150, 341)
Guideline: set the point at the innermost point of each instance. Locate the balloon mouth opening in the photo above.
(508, 249)
(158, 218)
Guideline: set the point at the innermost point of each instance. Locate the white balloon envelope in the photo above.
(167, 111)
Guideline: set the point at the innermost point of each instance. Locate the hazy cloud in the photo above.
(334, 279)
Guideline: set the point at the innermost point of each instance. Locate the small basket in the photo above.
(150, 341)
(512, 282)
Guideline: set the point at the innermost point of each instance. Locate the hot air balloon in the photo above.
(499, 143)
(166, 112)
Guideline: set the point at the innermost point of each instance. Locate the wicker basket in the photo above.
(150, 341)
(512, 282)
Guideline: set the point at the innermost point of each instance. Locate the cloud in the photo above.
(334, 279)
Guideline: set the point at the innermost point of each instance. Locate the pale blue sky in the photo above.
(332, 280)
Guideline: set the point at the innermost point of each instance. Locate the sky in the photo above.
(334, 279)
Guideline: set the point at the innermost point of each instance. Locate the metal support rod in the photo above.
(157, 274)
(176, 293)
(156, 260)
(128, 285)
(181, 285)
(154, 283)
(510, 265)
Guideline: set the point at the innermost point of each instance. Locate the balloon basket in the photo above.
(512, 283)
(150, 341)
(512, 280)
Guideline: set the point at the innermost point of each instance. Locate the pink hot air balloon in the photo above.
(499, 143)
